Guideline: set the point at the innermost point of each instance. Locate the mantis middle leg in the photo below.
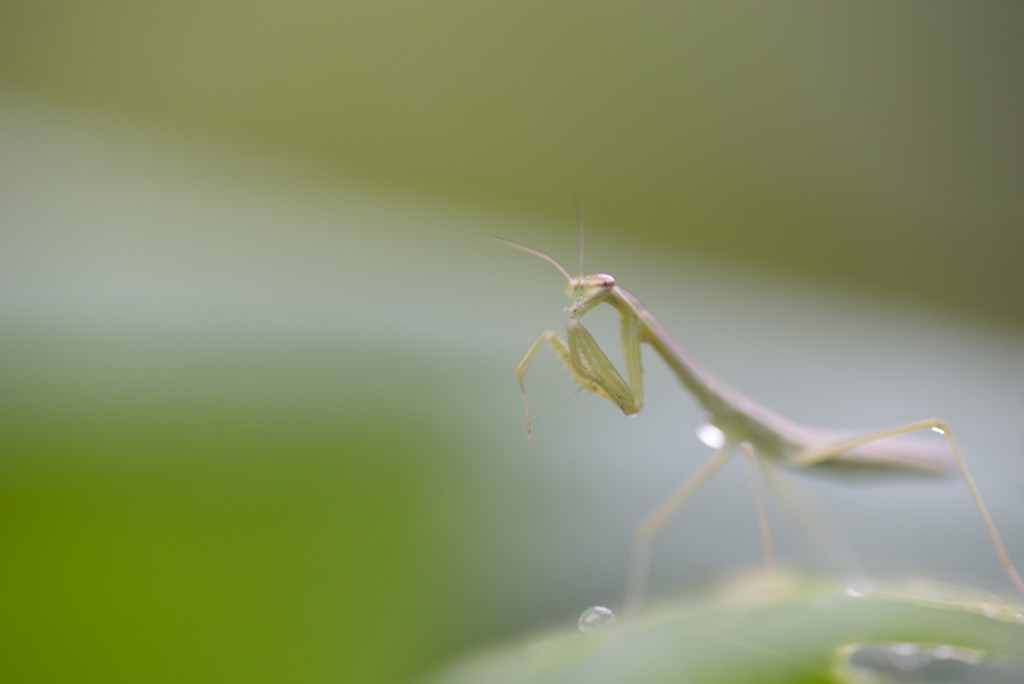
(762, 513)
(655, 521)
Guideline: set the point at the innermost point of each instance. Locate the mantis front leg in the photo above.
(558, 344)
(591, 366)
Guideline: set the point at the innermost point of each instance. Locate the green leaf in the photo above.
(773, 629)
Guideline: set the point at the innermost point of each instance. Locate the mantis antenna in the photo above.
(579, 230)
(535, 252)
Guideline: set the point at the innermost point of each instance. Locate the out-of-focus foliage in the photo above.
(172, 514)
(877, 144)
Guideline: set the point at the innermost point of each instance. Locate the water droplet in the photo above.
(854, 592)
(594, 618)
(939, 430)
(709, 433)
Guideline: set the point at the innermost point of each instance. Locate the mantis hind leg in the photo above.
(816, 455)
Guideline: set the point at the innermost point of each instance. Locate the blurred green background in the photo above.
(258, 408)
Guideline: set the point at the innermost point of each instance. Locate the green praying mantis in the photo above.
(736, 421)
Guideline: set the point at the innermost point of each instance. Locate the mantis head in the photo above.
(585, 291)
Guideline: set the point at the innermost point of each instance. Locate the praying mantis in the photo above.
(738, 422)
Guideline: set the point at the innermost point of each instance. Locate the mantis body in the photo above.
(740, 422)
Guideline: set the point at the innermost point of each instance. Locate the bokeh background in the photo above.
(258, 413)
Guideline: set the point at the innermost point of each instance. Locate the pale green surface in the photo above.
(792, 633)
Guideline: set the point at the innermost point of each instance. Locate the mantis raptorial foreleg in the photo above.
(556, 342)
(590, 366)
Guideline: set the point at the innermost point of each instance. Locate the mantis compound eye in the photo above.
(596, 286)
